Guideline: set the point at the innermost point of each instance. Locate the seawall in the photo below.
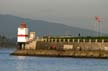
(81, 46)
(82, 49)
(62, 53)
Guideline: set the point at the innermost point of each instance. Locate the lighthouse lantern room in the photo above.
(22, 36)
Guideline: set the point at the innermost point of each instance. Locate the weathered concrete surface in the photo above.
(62, 53)
(31, 45)
(89, 46)
(80, 49)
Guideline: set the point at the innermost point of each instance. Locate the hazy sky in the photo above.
(79, 13)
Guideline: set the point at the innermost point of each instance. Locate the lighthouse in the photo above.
(22, 36)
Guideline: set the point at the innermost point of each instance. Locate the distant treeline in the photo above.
(6, 42)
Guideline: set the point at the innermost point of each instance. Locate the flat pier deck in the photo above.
(62, 53)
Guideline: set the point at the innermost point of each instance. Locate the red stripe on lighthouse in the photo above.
(22, 35)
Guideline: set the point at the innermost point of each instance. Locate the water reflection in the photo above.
(20, 66)
(21, 57)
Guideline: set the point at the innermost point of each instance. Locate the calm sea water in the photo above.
(21, 63)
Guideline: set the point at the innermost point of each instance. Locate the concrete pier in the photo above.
(65, 47)
(62, 53)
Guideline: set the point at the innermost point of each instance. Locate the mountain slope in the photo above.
(9, 24)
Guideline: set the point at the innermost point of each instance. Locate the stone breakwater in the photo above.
(62, 53)
(77, 48)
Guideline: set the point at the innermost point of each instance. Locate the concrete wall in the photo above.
(31, 45)
(76, 45)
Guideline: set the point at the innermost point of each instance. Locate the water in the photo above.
(21, 63)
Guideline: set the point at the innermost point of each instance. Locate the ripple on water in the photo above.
(22, 63)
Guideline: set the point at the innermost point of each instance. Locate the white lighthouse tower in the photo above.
(22, 36)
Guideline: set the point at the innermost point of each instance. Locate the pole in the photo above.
(98, 25)
(101, 28)
(97, 29)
